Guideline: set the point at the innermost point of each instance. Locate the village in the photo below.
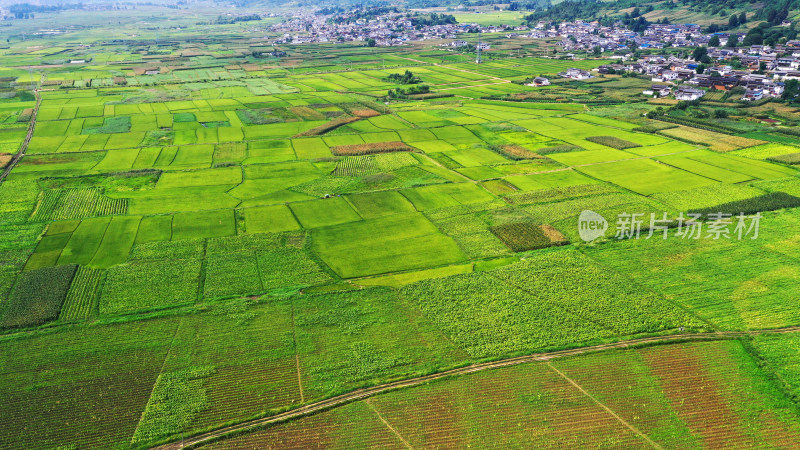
(760, 69)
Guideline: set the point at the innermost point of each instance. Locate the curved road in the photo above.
(363, 393)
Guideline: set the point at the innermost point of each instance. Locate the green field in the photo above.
(198, 232)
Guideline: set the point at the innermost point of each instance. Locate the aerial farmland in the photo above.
(214, 234)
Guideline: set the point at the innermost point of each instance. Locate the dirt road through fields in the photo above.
(364, 393)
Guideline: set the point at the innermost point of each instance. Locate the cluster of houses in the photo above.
(389, 29)
(668, 71)
(462, 43)
(587, 36)
(780, 62)
(686, 93)
(580, 35)
(575, 74)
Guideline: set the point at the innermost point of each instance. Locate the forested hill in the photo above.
(703, 12)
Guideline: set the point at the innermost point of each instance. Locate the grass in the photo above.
(613, 142)
(269, 219)
(38, 296)
(370, 205)
(524, 236)
(152, 284)
(386, 244)
(370, 148)
(766, 202)
(324, 212)
(203, 224)
(117, 242)
(444, 195)
(508, 300)
(645, 176)
(171, 236)
(80, 302)
(707, 278)
(84, 241)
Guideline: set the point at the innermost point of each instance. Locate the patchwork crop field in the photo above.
(198, 233)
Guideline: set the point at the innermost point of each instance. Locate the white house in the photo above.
(539, 81)
(665, 75)
(576, 74)
(659, 90)
(689, 94)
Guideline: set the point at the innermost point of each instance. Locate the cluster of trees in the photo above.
(775, 15)
(433, 19)
(736, 21)
(527, 5)
(767, 35)
(637, 12)
(403, 78)
(357, 14)
(413, 90)
(530, 5)
(700, 54)
(330, 10)
(791, 91)
(637, 25)
(266, 53)
(223, 20)
(27, 11)
(568, 11)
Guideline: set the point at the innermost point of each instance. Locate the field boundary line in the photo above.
(388, 425)
(297, 360)
(606, 408)
(23, 148)
(155, 382)
(364, 393)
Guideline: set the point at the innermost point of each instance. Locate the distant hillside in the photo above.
(725, 14)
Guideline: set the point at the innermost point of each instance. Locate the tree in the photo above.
(700, 68)
(371, 42)
(742, 18)
(714, 41)
(753, 37)
(733, 22)
(791, 91)
(699, 53)
(596, 50)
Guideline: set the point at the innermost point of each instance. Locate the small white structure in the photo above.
(658, 90)
(689, 94)
(539, 81)
(576, 74)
